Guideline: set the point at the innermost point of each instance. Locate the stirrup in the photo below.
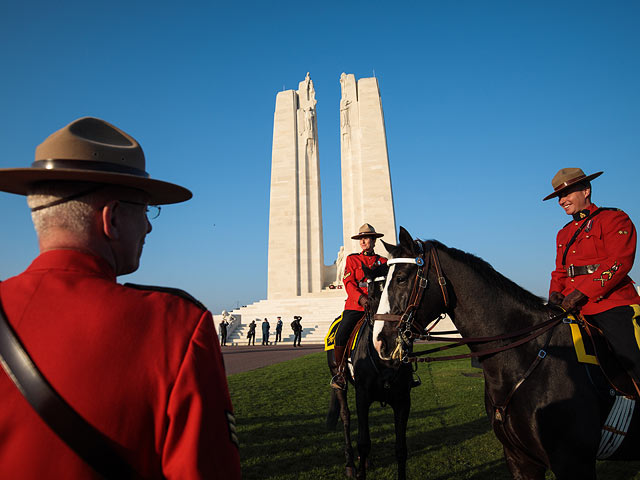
(338, 382)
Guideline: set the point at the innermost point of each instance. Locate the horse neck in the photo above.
(481, 308)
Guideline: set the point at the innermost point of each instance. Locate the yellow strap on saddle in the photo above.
(636, 327)
(578, 344)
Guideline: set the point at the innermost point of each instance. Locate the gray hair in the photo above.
(74, 215)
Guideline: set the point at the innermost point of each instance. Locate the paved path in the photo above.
(244, 358)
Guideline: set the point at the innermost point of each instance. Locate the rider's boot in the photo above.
(338, 381)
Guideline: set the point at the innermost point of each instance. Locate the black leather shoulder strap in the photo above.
(87, 442)
(172, 291)
(581, 227)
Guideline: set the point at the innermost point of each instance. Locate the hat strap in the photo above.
(66, 199)
(52, 164)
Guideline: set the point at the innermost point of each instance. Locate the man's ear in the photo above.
(109, 224)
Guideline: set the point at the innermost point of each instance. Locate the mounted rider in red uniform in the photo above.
(594, 254)
(357, 301)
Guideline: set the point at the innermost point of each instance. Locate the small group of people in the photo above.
(266, 327)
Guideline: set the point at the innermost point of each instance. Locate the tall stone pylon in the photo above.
(295, 258)
(366, 182)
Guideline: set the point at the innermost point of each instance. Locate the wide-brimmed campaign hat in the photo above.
(91, 150)
(367, 230)
(567, 177)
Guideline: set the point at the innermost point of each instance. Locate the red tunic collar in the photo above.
(74, 261)
(582, 214)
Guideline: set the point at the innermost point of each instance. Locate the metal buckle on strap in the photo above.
(571, 272)
(442, 281)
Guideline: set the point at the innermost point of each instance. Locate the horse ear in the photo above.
(405, 239)
(388, 247)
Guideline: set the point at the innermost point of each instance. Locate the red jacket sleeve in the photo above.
(559, 275)
(350, 281)
(201, 438)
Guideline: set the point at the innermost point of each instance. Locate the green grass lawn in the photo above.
(281, 413)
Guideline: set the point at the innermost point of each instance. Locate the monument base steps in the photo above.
(318, 311)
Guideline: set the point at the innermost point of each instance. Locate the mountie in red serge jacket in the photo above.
(142, 366)
(354, 280)
(598, 261)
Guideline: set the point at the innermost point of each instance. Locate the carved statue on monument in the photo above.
(309, 113)
(340, 262)
(310, 91)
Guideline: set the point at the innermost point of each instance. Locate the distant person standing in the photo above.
(296, 326)
(251, 334)
(279, 330)
(265, 332)
(223, 332)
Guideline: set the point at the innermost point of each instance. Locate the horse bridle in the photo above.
(406, 321)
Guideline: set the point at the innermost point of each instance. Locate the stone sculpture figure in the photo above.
(340, 261)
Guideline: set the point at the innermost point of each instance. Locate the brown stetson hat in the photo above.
(566, 177)
(367, 230)
(91, 150)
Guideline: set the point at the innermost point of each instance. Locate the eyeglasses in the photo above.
(152, 211)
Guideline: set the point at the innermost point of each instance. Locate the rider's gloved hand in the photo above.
(363, 301)
(556, 298)
(573, 300)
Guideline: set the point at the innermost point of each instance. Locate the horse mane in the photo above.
(491, 275)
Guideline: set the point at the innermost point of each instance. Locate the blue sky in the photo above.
(483, 103)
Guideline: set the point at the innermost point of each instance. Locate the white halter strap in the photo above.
(416, 261)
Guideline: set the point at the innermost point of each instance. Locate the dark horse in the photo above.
(542, 404)
(375, 380)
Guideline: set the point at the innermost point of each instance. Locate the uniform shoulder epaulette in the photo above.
(173, 291)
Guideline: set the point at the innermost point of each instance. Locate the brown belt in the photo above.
(574, 271)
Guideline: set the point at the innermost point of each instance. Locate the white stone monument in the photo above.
(366, 182)
(295, 258)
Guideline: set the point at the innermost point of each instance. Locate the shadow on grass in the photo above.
(294, 446)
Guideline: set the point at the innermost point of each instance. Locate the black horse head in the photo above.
(413, 280)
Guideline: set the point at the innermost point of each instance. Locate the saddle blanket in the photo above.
(330, 337)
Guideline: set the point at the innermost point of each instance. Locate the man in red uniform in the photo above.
(142, 365)
(594, 254)
(357, 301)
